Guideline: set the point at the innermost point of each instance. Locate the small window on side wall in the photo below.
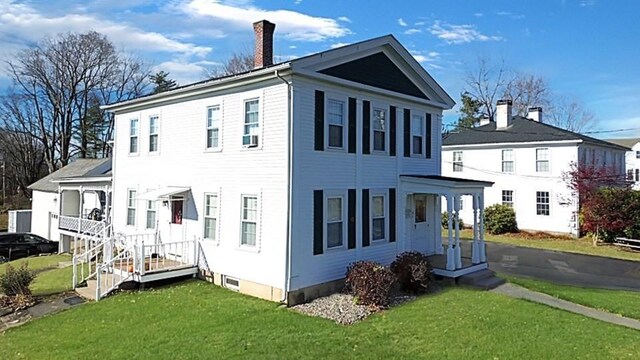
(335, 222)
(249, 220)
(457, 161)
(417, 134)
(210, 216)
(153, 133)
(378, 228)
(133, 136)
(251, 134)
(213, 127)
(335, 122)
(379, 129)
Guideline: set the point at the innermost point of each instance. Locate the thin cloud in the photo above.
(478, 14)
(295, 25)
(337, 45)
(509, 14)
(344, 19)
(412, 31)
(184, 72)
(401, 22)
(460, 34)
(429, 59)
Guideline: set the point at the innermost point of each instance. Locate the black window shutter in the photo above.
(366, 127)
(392, 214)
(319, 120)
(365, 218)
(427, 139)
(351, 228)
(392, 131)
(318, 222)
(352, 125)
(407, 133)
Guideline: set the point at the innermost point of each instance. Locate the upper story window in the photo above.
(153, 133)
(213, 127)
(378, 231)
(379, 129)
(457, 161)
(507, 161)
(131, 207)
(335, 222)
(210, 216)
(542, 160)
(507, 198)
(249, 220)
(335, 120)
(417, 134)
(251, 133)
(133, 136)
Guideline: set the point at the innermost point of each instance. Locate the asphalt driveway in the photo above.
(564, 268)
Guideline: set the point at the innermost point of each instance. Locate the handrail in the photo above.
(113, 271)
(91, 257)
(167, 255)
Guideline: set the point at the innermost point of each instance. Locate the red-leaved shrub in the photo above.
(371, 283)
(413, 271)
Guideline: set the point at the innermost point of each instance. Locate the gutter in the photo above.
(289, 184)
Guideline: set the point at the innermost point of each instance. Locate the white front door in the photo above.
(420, 239)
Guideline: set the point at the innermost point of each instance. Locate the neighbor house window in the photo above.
(153, 133)
(542, 203)
(507, 198)
(213, 127)
(630, 175)
(379, 126)
(335, 119)
(151, 214)
(417, 134)
(377, 218)
(457, 161)
(334, 222)
(131, 207)
(249, 220)
(251, 123)
(210, 216)
(637, 154)
(133, 136)
(507, 161)
(542, 160)
(637, 174)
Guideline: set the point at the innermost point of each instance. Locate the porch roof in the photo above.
(163, 193)
(443, 184)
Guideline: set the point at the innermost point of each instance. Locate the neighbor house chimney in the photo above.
(484, 120)
(503, 114)
(263, 55)
(535, 114)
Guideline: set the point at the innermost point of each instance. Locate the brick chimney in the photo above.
(503, 114)
(535, 114)
(263, 54)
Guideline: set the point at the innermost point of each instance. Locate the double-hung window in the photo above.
(213, 127)
(335, 119)
(151, 214)
(378, 231)
(507, 161)
(638, 154)
(133, 136)
(457, 161)
(153, 133)
(379, 129)
(417, 134)
(542, 160)
(211, 216)
(131, 207)
(335, 221)
(251, 133)
(507, 198)
(542, 203)
(249, 220)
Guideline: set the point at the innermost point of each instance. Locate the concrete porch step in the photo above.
(483, 279)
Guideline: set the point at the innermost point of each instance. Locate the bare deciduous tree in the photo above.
(486, 84)
(239, 62)
(568, 113)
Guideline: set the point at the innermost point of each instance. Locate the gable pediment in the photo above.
(376, 70)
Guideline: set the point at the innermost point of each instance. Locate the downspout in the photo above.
(289, 183)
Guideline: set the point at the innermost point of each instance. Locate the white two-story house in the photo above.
(286, 174)
(526, 160)
(632, 162)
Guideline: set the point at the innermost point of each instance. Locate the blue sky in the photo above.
(585, 49)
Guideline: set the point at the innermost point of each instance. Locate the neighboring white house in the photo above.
(62, 200)
(286, 174)
(526, 159)
(632, 159)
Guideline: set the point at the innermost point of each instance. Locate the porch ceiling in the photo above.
(442, 184)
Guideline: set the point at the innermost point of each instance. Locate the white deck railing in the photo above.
(115, 271)
(166, 255)
(82, 226)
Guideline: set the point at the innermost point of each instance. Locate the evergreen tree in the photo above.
(161, 82)
(469, 111)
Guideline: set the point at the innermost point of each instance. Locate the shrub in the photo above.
(413, 271)
(445, 221)
(500, 219)
(371, 283)
(16, 281)
(612, 212)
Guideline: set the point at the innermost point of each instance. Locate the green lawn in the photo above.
(579, 246)
(625, 303)
(198, 320)
(49, 279)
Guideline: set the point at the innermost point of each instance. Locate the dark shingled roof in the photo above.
(79, 168)
(520, 130)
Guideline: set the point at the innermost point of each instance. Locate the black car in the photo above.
(18, 245)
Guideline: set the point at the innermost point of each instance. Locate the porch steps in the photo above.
(482, 279)
(107, 280)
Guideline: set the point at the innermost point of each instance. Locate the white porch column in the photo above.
(475, 245)
(451, 263)
(457, 250)
(481, 245)
(81, 206)
(438, 233)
